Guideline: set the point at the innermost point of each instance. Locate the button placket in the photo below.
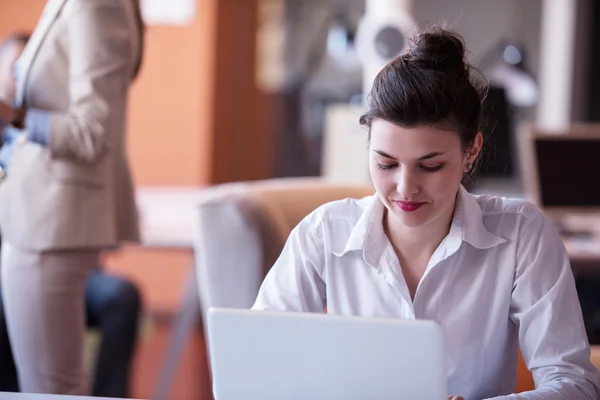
(392, 273)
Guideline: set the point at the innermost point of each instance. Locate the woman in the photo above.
(66, 191)
(491, 271)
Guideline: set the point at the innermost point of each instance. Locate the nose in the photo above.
(407, 183)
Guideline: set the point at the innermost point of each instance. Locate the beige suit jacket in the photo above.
(77, 192)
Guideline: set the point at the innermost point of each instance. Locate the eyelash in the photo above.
(433, 169)
(387, 167)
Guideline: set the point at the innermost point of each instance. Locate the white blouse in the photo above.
(500, 280)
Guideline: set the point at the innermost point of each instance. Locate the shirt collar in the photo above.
(471, 218)
(368, 234)
(467, 225)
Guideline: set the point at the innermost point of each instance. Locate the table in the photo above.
(167, 216)
(580, 233)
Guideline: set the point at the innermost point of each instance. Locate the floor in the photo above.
(161, 276)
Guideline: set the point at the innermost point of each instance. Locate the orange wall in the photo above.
(19, 15)
(242, 126)
(170, 124)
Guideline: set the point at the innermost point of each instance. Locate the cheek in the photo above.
(382, 180)
(444, 183)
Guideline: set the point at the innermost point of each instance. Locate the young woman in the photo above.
(491, 271)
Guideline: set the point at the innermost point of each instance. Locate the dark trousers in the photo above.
(113, 306)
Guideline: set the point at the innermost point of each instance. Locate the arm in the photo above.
(99, 74)
(295, 283)
(546, 309)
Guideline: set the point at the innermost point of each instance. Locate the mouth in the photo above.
(409, 206)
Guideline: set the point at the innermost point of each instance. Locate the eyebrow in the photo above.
(425, 157)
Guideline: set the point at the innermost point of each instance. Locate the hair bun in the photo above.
(439, 49)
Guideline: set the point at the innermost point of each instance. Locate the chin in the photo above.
(413, 219)
(411, 222)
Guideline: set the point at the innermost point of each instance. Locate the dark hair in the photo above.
(431, 83)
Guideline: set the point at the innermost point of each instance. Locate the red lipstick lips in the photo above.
(409, 206)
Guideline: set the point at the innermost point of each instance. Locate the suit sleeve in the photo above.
(99, 47)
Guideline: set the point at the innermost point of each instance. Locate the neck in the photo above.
(418, 242)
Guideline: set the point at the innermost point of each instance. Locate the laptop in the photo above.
(267, 355)
(560, 174)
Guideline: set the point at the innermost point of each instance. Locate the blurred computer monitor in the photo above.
(561, 171)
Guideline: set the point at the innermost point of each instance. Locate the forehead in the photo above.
(413, 142)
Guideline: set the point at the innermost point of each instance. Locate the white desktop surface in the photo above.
(167, 215)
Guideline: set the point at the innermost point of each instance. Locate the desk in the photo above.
(167, 216)
(583, 250)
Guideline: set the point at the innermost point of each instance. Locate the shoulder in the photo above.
(515, 214)
(495, 205)
(346, 212)
(348, 209)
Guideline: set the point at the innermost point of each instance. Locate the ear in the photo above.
(473, 152)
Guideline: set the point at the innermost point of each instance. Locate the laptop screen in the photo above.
(568, 172)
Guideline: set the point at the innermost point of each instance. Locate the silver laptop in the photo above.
(264, 355)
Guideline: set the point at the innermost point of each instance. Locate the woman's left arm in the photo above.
(545, 307)
(99, 47)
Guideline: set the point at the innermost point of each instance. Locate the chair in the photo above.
(242, 227)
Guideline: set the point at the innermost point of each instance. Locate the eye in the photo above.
(432, 169)
(386, 167)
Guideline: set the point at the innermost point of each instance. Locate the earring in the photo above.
(469, 167)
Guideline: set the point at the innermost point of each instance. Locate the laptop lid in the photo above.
(283, 355)
(560, 170)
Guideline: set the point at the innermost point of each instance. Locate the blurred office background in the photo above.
(245, 90)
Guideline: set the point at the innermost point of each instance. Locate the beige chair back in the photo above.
(275, 211)
(241, 229)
